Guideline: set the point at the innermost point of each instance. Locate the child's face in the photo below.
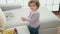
(33, 6)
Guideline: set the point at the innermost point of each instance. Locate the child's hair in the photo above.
(36, 2)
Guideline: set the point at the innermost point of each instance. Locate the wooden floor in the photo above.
(58, 15)
(58, 32)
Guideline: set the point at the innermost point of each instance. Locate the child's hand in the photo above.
(23, 18)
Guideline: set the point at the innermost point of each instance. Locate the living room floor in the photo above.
(58, 15)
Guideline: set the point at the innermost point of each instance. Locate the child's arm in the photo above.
(34, 18)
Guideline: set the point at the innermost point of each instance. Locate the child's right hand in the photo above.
(23, 18)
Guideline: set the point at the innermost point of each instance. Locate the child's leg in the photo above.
(37, 30)
(34, 30)
(31, 30)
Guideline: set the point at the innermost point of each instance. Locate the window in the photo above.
(42, 1)
(49, 2)
(10, 1)
(19, 2)
(55, 7)
(2, 1)
(52, 5)
(56, 2)
(22, 2)
(59, 7)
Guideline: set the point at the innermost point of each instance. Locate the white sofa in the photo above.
(48, 25)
